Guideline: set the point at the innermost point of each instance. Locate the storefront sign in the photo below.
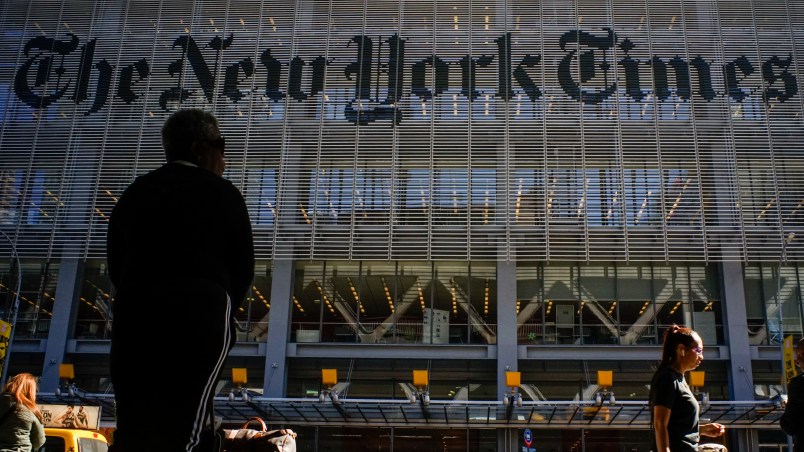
(527, 437)
(789, 360)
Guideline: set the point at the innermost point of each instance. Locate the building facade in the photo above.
(465, 187)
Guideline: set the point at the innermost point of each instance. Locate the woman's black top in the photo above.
(670, 390)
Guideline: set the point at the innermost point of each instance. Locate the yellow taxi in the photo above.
(73, 440)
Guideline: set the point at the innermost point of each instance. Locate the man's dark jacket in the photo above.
(181, 223)
(792, 421)
(181, 257)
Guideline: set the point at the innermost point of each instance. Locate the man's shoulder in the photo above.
(171, 173)
(797, 382)
(146, 178)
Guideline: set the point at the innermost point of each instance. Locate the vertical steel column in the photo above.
(741, 385)
(506, 323)
(275, 379)
(68, 287)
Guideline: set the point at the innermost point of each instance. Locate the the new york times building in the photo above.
(467, 187)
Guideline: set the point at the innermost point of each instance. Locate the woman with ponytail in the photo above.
(21, 426)
(673, 406)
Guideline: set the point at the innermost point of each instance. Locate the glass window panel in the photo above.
(455, 314)
(530, 304)
(671, 292)
(599, 324)
(94, 320)
(636, 305)
(251, 318)
(36, 298)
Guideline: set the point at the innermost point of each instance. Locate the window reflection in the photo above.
(251, 318)
(389, 302)
(628, 305)
(456, 302)
(94, 319)
(773, 303)
(36, 296)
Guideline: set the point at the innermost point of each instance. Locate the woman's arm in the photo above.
(661, 416)
(712, 430)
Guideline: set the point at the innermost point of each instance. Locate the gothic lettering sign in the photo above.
(596, 65)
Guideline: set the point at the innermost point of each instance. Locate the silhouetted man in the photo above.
(181, 258)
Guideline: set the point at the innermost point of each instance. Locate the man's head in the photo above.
(193, 135)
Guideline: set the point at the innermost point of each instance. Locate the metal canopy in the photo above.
(462, 414)
(454, 414)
